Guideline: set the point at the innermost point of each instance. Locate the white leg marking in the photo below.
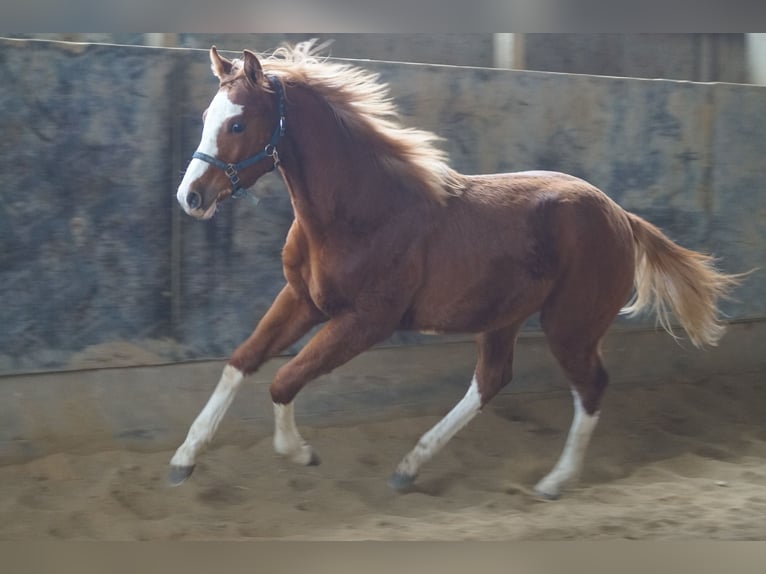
(204, 426)
(431, 442)
(570, 463)
(287, 440)
(220, 110)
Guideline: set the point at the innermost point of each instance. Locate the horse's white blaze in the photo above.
(431, 442)
(204, 426)
(220, 110)
(570, 463)
(287, 440)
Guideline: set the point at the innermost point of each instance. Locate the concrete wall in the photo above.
(695, 57)
(98, 266)
(451, 49)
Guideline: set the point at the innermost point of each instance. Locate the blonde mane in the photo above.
(364, 106)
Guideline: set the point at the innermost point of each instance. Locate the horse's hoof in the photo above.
(314, 459)
(401, 482)
(546, 495)
(179, 474)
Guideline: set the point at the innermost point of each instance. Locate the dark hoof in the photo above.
(314, 460)
(179, 474)
(401, 482)
(547, 495)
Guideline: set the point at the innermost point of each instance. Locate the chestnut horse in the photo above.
(386, 237)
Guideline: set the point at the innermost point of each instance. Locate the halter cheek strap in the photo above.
(231, 169)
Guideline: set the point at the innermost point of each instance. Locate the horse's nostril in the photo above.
(193, 200)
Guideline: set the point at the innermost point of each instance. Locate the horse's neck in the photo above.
(332, 182)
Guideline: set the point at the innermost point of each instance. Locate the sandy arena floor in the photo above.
(668, 461)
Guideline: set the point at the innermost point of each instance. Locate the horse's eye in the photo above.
(237, 128)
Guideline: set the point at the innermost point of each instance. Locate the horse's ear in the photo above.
(253, 69)
(221, 66)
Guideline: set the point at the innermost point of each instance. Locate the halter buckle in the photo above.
(231, 171)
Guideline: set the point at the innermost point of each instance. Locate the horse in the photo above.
(386, 236)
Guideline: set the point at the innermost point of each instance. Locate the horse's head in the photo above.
(241, 129)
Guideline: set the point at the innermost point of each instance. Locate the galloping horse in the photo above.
(386, 237)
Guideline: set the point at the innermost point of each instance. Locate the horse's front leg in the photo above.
(287, 320)
(341, 339)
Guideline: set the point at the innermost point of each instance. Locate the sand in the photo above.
(668, 461)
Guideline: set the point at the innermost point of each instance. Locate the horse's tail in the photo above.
(670, 278)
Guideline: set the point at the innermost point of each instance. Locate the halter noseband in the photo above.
(232, 169)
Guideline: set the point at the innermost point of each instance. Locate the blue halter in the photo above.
(232, 169)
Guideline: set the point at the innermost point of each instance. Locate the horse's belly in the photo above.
(475, 312)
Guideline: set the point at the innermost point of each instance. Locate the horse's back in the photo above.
(499, 250)
(547, 206)
(568, 224)
(531, 208)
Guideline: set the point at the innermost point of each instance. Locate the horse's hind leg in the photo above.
(580, 359)
(586, 396)
(493, 372)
